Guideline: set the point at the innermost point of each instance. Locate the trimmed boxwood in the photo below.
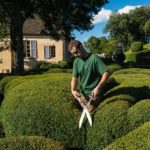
(138, 59)
(114, 67)
(29, 143)
(139, 113)
(59, 70)
(110, 123)
(136, 46)
(138, 139)
(42, 105)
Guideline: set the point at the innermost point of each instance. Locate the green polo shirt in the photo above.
(90, 71)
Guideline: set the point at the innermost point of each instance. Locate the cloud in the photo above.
(103, 15)
(126, 9)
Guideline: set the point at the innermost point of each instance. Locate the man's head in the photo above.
(76, 48)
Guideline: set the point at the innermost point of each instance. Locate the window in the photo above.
(52, 51)
(30, 49)
(49, 52)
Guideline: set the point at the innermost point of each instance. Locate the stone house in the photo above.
(37, 47)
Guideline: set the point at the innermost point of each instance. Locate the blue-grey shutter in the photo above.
(34, 49)
(47, 53)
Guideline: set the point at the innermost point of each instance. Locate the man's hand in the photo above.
(75, 94)
(96, 92)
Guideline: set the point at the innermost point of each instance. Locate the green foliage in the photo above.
(59, 70)
(138, 139)
(130, 57)
(147, 30)
(29, 143)
(126, 28)
(136, 46)
(4, 81)
(139, 59)
(42, 105)
(110, 123)
(122, 110)
(114, 67)
(2, 134)
(139, 113)
(59, 19)
(93, 45)
(61, 64)
(101, 45)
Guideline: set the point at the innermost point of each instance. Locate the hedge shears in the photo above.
(85, 112)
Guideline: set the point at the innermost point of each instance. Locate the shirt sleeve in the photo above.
(75, 70)
(101, 66)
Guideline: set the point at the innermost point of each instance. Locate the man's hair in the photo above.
(74, 43)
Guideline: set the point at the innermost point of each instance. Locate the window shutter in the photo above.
(46, 52)
(34, 49)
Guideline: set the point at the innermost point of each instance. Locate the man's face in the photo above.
(76, 51)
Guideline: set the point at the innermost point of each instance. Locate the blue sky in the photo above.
(100, 20)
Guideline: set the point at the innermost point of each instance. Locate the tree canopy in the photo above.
(60, 19)
(126, 28)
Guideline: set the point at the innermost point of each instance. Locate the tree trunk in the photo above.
(16, 35)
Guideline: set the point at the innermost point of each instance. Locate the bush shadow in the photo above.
(138, 93)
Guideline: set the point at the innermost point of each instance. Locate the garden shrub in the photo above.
(139, 113)
(138, 59)
(42, 105)
(136, 46)
(63, 64)
(29, 143)
(143, 58)
(114, 67)
(132, 76)
(110, 123)
(130, 57)
(4, 81)
(2, 134)
(138, 139)
(47, 65)
(59, 70)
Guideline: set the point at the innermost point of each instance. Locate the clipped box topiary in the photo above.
(136, 46)
(42, 105)
(139, 113)
(30, 143)
(110, 123)
(138, 139)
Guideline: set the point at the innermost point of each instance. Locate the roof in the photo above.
(33, 27)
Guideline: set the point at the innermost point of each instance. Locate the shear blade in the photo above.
(81, 118)
(88, 116)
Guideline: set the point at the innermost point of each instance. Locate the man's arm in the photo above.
(74, 84)
(102, 82)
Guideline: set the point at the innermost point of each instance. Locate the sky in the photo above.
(101, 19)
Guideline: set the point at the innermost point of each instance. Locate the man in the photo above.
(93, 74)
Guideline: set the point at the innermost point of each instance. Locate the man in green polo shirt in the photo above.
(91, 70)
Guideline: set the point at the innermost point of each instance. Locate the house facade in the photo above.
(37, 47)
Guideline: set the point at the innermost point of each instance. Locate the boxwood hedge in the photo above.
(29, 143)
(138, 139)
(121, 111)
(42, 105)
(110, 123)
(139, 113)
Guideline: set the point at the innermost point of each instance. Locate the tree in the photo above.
(93, 44)
(146, 29)
(126, 28)
(60, 19)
